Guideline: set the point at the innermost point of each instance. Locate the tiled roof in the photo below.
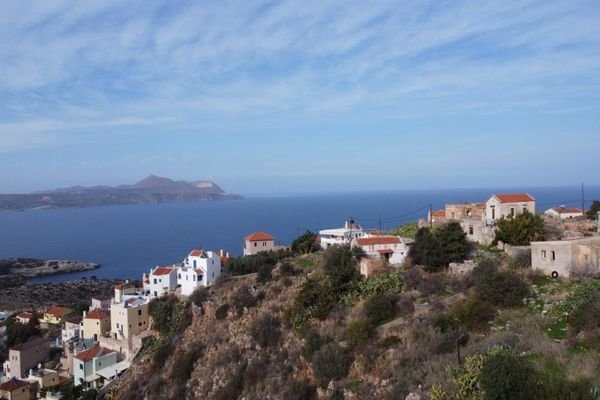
(92, 353)
(562, 210)
(197, 253)
(162, 271)
(13, 384)
(370, 241)
(514, 197)
(25, 315)
(439, 214)
(97, 314)
(57, 311)
(258, 236)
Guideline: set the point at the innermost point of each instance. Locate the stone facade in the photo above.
(567, 257)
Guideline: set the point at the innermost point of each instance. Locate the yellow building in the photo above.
(54, 315)
(15, 389)
(129, 317)
(95, 323)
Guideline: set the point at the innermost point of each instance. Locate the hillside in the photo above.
(313, 329)
(151, 190)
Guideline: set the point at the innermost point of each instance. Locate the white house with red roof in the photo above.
(563, 212)
(257, 242)
(87, 363)
(163, 280)
(381, 250)
(199, 268)
(506, 205)
(341, 236)
(24, 317)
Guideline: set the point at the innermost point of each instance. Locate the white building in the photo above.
(564, 213)
(87, 363)
(341, 236)
(163, 280)
(101, 302)
(199, 268)
(72, 329)
(381, 250)
(506, 205)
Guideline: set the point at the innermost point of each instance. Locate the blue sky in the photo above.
(300, 96)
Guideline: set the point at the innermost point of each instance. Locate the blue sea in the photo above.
(129, 240)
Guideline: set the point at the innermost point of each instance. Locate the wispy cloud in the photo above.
(67, 66)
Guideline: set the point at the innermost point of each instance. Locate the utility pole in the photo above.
(430, 216)
(380, 225)
(582, 199)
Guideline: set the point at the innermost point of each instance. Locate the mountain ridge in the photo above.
(151, 190)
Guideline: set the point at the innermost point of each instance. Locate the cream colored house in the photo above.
(95, 323)
(566, 257)
(506, 205)
(564, 213)
(43, 378)
(129, 317)
(15, 389)
(257, 242)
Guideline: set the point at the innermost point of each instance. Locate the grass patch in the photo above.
(557, 330)
(354, 386)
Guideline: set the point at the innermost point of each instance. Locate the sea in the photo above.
(129, 240)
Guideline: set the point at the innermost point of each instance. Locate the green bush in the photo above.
(222, 311)
(506, 376)
(583, 305)
(379, 308)
(251, 264)
(301, 390)
(199, 296)
(286, 269)
(305, 243)
(520, 230)
(437, 248)
(358, 332)
(314, 300)
(243, 299)
(313, 341)
(265, 273)
(170, 315)
(266, 330)
(501, 288)
(472, 313)
(331, 362)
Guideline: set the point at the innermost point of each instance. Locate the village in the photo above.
(92, 348)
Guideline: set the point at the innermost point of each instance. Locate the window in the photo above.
(543, 254)
(81, 366)
(553, 256)
(255, 244)
(470, 230)
(179, 276)
(264, 244)
(139, 312)
(468, 213)
(155, 281)
(512, 212)
(525, 210)
(194, 264)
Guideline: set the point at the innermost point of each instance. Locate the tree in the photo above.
(407, 230)
(594, 210)
(331, 362)
(266, 330)
(437, 248)
(341, 269)
(506, 376)
(305, 243)
(520, 230)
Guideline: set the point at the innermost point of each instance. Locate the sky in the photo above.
(300, 96)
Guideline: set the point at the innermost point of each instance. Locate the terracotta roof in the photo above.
(25, 315)
(514, 197)
(258, 236)
(369, 241)
(57, 311)
(92, 353)
(13, 384)
(162, 271)
(562, 210)
(97, 314)
(197, 253)
(439, 213)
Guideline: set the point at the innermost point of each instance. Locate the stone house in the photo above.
(381, 250)
(506, 205)
(564, 213)
(25, 356)
(257, 242)
(15, 389)
(566, 257)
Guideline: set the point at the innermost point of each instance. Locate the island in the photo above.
(151, 190)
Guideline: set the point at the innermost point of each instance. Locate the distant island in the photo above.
(151, 190)
(14, 271)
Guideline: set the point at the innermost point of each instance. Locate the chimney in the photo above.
(84, 314)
